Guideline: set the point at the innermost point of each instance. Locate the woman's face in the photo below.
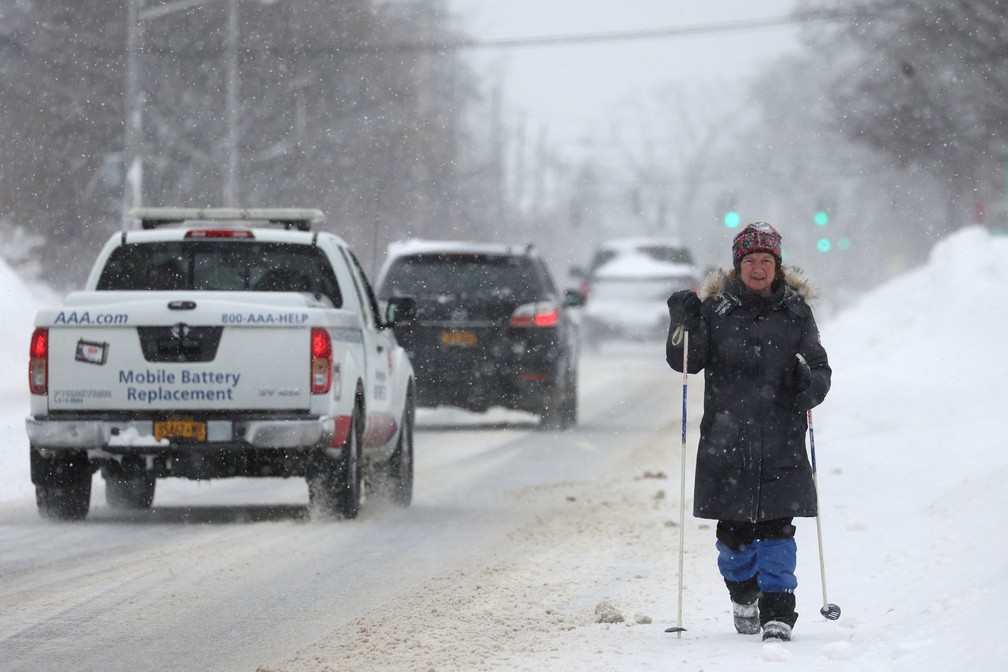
(758, 270)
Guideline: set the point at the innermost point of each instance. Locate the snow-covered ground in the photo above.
(912, 472)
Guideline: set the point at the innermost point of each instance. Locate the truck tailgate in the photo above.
(222, 355)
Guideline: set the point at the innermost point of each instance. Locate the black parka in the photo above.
(752, 463)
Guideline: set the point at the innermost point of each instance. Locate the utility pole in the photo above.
(231, 177)
(133, 140)
(133, 150)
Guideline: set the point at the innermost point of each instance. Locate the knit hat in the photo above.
(756, 237)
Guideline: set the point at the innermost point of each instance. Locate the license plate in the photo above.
(180, 428)
(457, 337)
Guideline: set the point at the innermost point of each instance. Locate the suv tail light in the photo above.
(38, 363)
(542, 314)
(321, 361)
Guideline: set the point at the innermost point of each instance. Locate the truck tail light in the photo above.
(321, 361)
(38, 363)
(542, 314)
(219, 233)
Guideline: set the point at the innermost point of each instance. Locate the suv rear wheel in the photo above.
(561, 411)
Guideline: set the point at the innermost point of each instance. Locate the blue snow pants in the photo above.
(765, 551)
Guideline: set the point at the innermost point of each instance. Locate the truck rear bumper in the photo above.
(138, 435)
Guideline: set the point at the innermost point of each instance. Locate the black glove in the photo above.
(688, 300)
(802, 376)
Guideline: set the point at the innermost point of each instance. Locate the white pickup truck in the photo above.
(218, 343)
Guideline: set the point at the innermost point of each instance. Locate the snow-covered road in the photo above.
(515, 534)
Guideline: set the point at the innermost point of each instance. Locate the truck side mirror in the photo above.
(574, 298)
(400, 310)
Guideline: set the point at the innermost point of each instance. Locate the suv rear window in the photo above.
(208, 265)
(460, 274)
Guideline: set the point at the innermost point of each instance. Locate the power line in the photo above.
(505, 43)
(628, 35)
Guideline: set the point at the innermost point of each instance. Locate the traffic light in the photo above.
(823, 211)
(727, 209)
(824, 244)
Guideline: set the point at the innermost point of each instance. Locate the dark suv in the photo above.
(491, 328)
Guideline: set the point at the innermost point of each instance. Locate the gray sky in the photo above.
(573, 89)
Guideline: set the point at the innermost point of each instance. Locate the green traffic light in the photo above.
(823, 245)
(732, 219)
(821, 218)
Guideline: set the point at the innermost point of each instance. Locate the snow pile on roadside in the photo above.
(926, 336)
(912, 477)
(19, 304)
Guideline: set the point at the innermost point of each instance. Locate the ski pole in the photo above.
(679, 629)
(829, 610)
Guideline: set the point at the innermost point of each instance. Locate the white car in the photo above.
(627, 294)
(658, 248)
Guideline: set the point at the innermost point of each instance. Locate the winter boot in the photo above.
(745, 608)
(776, 631)
(746, 617)
(778, 616)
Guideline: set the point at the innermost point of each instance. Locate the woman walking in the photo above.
(754, 336)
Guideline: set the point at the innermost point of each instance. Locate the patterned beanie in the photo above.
(756, 237)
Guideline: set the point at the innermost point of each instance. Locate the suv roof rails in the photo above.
(300, 219)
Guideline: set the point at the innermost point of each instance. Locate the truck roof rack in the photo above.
(300, 219)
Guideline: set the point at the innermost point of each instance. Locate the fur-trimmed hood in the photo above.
(720, 280)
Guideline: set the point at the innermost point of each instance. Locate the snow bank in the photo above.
(19, 303)
(912, 470)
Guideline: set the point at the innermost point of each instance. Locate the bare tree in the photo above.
(342, 106)
(925, 82)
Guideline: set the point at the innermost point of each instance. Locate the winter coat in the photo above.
(751, 462)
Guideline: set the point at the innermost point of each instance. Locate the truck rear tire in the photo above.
(351, 483)
(130, 493)
(335, 488)
(62, 485)
(394, 479)
(69, 502)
